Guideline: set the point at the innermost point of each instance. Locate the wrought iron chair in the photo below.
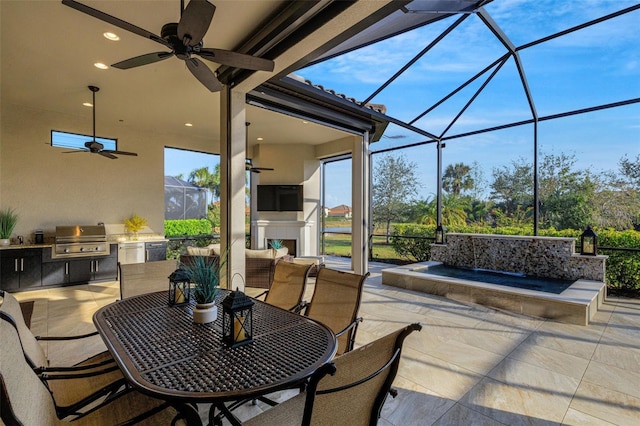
(93, 381)
(350, 390)
(288, 285)
(335, 303)
(26, 400)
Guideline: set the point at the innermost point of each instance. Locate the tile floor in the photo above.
(470, 365)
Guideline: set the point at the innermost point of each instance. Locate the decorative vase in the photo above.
(205, 313)
(5, 241)
(134, 236)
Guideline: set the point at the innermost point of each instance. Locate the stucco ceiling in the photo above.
(49, 51)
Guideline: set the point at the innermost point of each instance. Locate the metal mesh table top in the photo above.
(163, 352)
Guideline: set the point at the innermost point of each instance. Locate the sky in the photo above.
(597, 65)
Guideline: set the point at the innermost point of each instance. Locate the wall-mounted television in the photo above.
(280, 198)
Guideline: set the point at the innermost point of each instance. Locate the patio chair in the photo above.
(335, 303)
(25, 400)
(288, 285)
(74, 387)
(350, 390)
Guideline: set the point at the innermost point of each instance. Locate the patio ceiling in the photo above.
(49, 51)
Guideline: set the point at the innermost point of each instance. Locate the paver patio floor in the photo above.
(470, 365)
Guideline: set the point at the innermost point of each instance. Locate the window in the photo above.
(77, 141)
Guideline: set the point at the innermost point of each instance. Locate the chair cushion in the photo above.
(259, 254)
(199, 251)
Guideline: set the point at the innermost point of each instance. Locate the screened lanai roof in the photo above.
(486, 75)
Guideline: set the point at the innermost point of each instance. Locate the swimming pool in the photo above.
(547, 285)
(577, 303)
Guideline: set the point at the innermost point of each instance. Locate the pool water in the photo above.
(548, 285)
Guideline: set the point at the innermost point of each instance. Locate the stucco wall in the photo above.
(49, 188)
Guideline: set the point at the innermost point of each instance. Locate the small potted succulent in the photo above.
(8, 221)
(204, 273)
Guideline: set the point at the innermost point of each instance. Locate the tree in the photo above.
(457, 178)
(453, 211)
(630, 169)
(565, 194)
(207, 179)
(512, 187)
(394, 184)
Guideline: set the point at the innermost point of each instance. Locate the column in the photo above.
(360, 205)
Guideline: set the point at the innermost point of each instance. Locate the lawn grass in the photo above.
(340, 245)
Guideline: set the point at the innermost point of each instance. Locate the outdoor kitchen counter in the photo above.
(25, 246)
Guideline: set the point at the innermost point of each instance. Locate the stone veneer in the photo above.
(548, 257)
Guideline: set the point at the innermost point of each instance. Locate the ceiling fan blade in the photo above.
(195, 21)
(75, 151)
(114, 21)
(235, 59)
(108, 155)
(203, 74)
(146, 59)
(121, 153)
(268, 169)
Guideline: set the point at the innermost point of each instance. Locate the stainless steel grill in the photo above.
(80, 241)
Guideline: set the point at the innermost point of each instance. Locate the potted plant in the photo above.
(134, 224)
(8, 220)
(204, 272)
(275, 246)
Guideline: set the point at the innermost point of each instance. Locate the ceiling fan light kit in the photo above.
(184, 39)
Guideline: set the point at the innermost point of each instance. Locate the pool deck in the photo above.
(576, 305)
(470, 365)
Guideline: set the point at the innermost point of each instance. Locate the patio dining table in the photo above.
(163, 353)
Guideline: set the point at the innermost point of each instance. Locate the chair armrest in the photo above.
(352, 339)
(350, 326)
(76, 368)
(301, 308)
(79, 336)
(264, 293)
(64, 375)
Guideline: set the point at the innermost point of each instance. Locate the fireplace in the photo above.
(290, 244)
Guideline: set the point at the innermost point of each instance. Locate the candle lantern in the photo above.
(237, 319)
(179, 287)
(441, 234)
(589, 242)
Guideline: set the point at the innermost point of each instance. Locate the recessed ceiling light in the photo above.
(305, 122)
(111, 36)
(88, 104)
(100, 65)
(259, 139)
(188, 124)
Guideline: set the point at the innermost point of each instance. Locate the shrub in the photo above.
(418, 249)
(187, 227)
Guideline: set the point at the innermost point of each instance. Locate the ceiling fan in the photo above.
(184, 39)
(95, 147)
(248, 163)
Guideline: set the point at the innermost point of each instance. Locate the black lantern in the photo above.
(440, 234)
(179, 287)
(237, 319)
(589, 242)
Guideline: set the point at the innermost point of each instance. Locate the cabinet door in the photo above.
(80, 271)
(106, 268)
(31, 271)
(10, 278)
(55, 273)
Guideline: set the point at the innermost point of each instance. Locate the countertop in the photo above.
(25, 246)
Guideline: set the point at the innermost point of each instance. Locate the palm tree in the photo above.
(203, 178)
(457, 178)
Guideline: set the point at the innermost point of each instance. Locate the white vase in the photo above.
(5, 241)
(205, 313)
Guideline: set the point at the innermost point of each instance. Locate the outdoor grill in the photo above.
(80, 241)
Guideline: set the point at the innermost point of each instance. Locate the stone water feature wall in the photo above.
(547, 257)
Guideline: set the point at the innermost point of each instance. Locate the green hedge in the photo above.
(187, 227)
(623, 268)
